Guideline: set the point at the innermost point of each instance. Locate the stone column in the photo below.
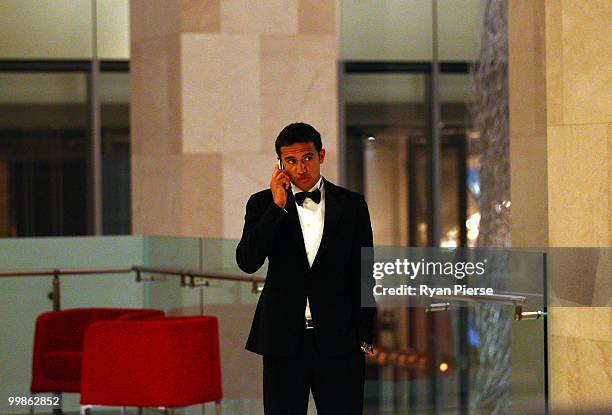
(212, 84)
(561, 163)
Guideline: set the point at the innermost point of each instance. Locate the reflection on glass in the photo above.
(458, 29)
(401, 30)
(62, 29)
(386, 124)
(385, 115)
(385, 30)
(115, 116)
(45, 29)
(460, 181)
(418, 355)
(424, 360)
(43, 154)
(113, 29)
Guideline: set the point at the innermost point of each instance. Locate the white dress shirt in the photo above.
(312, 219)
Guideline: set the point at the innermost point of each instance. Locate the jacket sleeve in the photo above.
(366, 281)
(261, 223)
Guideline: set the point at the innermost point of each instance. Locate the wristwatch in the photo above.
(367, 347)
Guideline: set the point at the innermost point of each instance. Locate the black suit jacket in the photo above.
(333, 284)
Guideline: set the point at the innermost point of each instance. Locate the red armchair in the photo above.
(161, 362)
(58, 344)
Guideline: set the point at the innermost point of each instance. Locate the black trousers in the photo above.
(336, 382)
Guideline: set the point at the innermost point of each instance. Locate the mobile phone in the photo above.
(281, 167)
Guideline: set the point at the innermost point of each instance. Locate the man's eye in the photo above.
(308, 158)
(291, 161)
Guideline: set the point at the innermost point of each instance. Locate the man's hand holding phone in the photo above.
(279, 185)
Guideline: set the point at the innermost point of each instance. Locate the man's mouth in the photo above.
(303, 179)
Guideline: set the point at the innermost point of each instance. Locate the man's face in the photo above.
(302, 163)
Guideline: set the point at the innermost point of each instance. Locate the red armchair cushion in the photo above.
(59, 337)
(62, 365)
(167, 362)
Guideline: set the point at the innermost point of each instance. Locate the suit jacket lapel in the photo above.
(296, 229)
(333, 208)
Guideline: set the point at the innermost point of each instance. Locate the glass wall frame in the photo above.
(75, 203)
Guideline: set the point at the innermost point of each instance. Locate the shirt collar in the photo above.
(318, 185)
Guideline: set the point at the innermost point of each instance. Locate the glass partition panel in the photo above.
(45, 29)
(458, 29)
(470, 357)
(460, 358)
(174, 253)
(445, 362)
(401, 30)
(62, 29)
(458, 354)
(113, 29)
(232, 302)
(385, 30)
(23, 298)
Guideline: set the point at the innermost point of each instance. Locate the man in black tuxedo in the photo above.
(309, 324)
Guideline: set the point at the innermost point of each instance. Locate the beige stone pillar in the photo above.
(561, 163)
(212, 84)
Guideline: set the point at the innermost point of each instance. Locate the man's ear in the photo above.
(322, 155)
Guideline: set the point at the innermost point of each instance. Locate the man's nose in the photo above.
(301, 167)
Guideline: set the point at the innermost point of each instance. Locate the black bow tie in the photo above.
(315, 196)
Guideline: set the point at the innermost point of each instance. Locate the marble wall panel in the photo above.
(259, 17)
(580, 277)
(610, 183)
(527, 70)
(578, 185)
(590, 323)
(220, 93)
(587, 61)
(202, 195)
(200, 16)
(243, 175)
(209, 101)
(299, 83)
(528, 184)
(317, 17)
(153, 19)
(156, 194)
(155, 110)
(582, 373)
(553, 54)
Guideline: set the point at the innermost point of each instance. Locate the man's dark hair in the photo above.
(298, 132)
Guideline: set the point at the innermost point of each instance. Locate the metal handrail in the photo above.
(48, 272)
(515, 300)
(196, 274)
(192, 275)
(518, 301)
(188, 279)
